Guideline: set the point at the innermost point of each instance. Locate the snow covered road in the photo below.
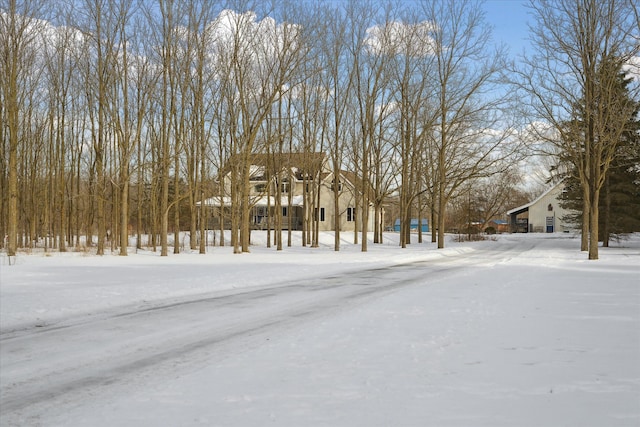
(64, 359)
(515, 332)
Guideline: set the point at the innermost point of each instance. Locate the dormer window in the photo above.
(257, 173)
(284, 185)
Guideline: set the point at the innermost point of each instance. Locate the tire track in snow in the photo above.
(42, 366)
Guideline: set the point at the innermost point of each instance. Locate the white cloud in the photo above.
(539, 131)
(395, 38)
(632, 68)
(262, 38)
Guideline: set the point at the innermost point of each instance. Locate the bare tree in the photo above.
(204, 92)
(18, 44)
(470, 137)
(371, 88)
(338, 81)
(58, 73)
(167, 33)
(570, 83)
(128, 110)
(311, 111)
(131, 106)
(258, 60)
(410, 44)
(100, 27)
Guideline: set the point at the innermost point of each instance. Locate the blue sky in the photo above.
(509, 20)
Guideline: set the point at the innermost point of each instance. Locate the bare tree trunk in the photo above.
(176, 202)
(124, 211)
(12, 233)
(442, 202)
(316, 222)
(586, 219)
(140, 193)
(606, 226)
(12, 124)
(245, 206)
(164, 177)
(221, 209)
(203, 213)
(593, 227)
(17, 34)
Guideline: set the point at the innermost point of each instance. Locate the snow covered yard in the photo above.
(521, 331)
(46, 288)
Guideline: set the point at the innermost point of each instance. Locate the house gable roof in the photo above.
(299, 163)
(353, 180)
(525, 208)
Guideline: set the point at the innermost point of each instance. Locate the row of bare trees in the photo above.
(118, 116)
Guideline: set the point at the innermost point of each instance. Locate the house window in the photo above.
(351, 214)
(321, 219)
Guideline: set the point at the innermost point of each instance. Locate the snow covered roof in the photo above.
(525, 208)
(256, 201)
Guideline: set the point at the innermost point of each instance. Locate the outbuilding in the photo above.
(414, 226)
(542, 215)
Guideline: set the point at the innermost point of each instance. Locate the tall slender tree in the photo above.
(19, 39)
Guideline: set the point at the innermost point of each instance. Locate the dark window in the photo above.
(351, 214)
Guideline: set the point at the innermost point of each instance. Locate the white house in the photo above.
(542, 215)
(306, 190)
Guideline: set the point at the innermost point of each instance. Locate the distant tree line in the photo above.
(118, 116)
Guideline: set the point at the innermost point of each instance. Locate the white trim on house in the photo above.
(524, 208)
(545, 213)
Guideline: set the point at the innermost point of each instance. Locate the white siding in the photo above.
(547, 211)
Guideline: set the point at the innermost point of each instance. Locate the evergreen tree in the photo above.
(619, 207)
(620, 199)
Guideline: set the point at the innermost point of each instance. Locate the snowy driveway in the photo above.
(517, 332)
